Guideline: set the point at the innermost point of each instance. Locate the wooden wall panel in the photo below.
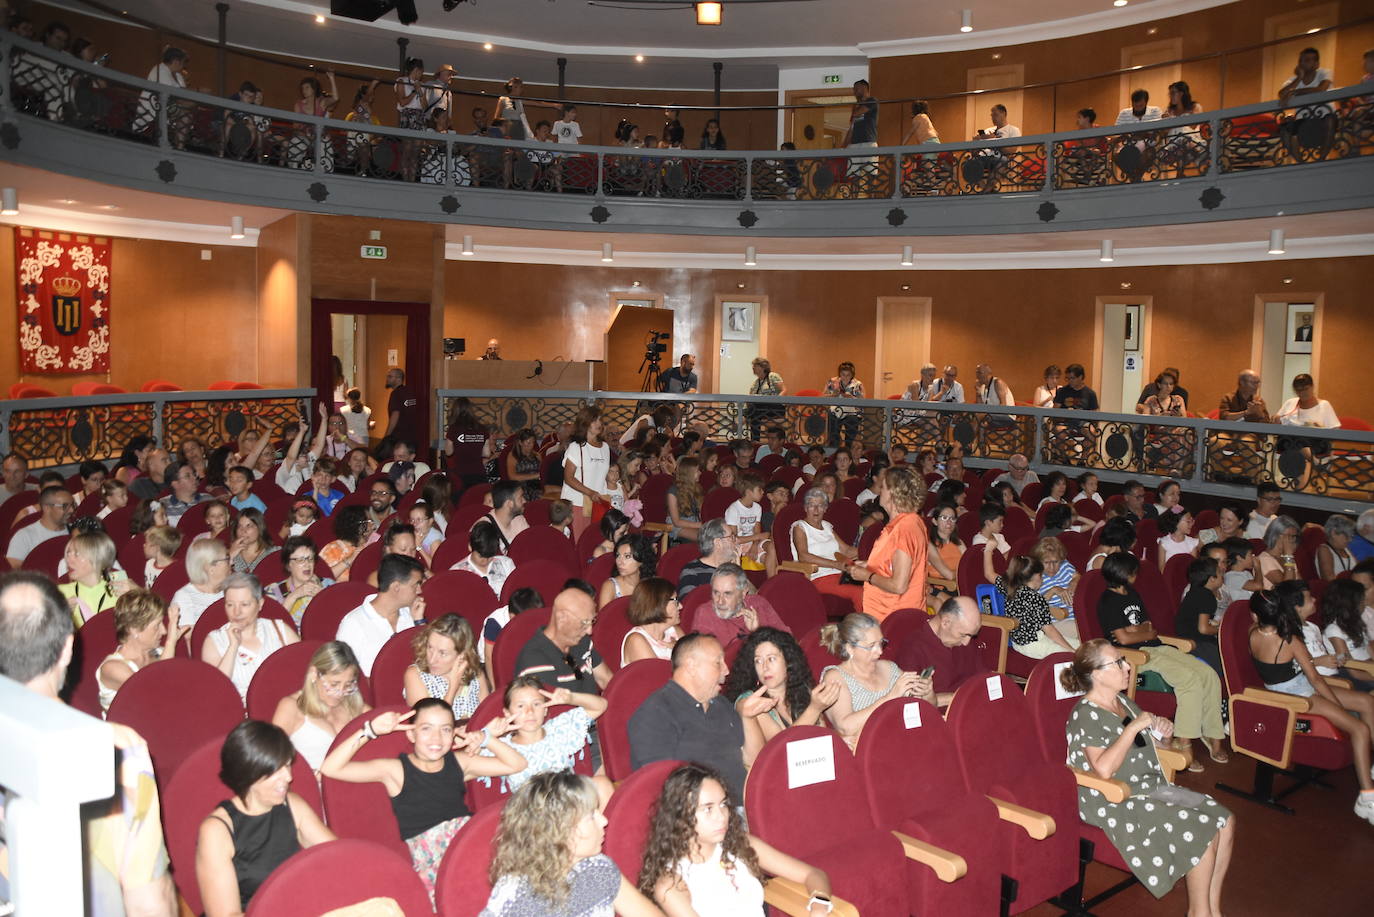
(338, 270)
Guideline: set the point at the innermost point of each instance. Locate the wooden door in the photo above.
(903, 343)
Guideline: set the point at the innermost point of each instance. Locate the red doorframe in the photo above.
(416, 358)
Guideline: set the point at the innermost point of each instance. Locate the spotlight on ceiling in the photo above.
(236, 227)
(1276, 246)
(908, 258)
(1105, 255)
(966, 21)
(9, 202)
(708, 13)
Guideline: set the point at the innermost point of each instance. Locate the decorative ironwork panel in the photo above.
(1133, 156)
(217, 422)
(831, 177)
(359, 150)
(1343, 469)
(929, 174)
(69, 435)
(1077, 443)
(103, 104)
(1000, 170)
(1305, 134)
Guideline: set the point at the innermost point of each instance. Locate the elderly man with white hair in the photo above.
(1018, 475)
(1245, 403)
(735, 611)
(1362, 545)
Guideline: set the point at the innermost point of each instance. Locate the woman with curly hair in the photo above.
(548, 858)
(771, 662)
(446, 666)
(700, 861)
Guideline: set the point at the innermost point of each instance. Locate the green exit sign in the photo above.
(832, 78)
(375, 252)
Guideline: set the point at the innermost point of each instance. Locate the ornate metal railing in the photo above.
(54, 432)
(1329, 468)
(57, 87)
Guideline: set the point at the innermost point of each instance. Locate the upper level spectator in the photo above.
(688, 720)
(561, 655)
(1163, 396)
(1308, 76)
(712, 138)
(734, 613)
(1245, 403)
(128, 867)
(948, 388)
(992, 390)
(1000, 129)
(943, 643)
(55, 507)
(1140, 109)
(1362, 545)
(1152, 388)
(863, 119)
(681, 378)
(1075, 395)
(922, 129)
(393, 609)
(1305, 409)
(1044, 393)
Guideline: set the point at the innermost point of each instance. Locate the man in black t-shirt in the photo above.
(1075, 395)
(561, 655)
(680, 379)
(402, 413)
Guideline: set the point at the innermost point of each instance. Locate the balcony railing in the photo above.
(61, 432)
(1326, 469)
(55, 87)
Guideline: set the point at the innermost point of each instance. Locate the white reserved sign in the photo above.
(994, 687)
(810, 761)
(911, 715)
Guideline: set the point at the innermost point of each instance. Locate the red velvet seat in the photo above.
(513, 638)
(625, 692)
(389, 669)
(94, 641)
(213, 617)
(82, 389)
(463, 884)
(545, 577)
(46, 557)
(170, 580)
(160, 385)
(671, 563)
(1175, 580)
(587, 543)
(1076, 547)
(363, 810)
(1085, 599)
(280, 674)
(1270, 727)
(338, 874)
(1000, 755)
(827, 825)
(365, 562)
(177, 705)
(938, 808)
(699, 596)
(544, 543)
(9, 510)
(654, 497)
(27, 390)
(817, 656)
(629, 813)
(970, 572)
(797, 601)
(782, 530)
(610, 629)
(844, 515)
(897, 626)
(717, 502)
(193, 794)
(599, 570)
(459, 592)
(537, 513)
(868, 539)
(328, 608)
(474, 494)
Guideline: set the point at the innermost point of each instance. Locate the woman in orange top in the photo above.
(945, 551)
(894, 576)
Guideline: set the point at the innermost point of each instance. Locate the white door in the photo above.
(1123, 369)
(739, 324)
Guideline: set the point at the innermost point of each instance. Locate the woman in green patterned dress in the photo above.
(1163, 832)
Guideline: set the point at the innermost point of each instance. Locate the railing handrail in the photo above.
(1214, 117)
(274, 58)
(226, 394)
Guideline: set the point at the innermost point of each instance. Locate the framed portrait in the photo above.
(1301, 327)
(739, 321)
(1131, 336)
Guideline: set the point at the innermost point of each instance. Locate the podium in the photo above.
(580, 376)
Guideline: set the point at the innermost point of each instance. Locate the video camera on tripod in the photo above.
(654, 348)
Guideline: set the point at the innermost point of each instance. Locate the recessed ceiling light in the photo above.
(319, 19)
(486, 46)
(636, 283)
(1152, 30)
(1313, 31)
(109, 206)
(1288, 280)
(1125, 286)
(905, 287)
(997, 56)
(639, 58)
(66, 200)
(1119, 2)
(739, 286)
(708, 13)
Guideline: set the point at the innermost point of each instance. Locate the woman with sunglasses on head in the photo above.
(1163, 832)
(863, 677)
(328, 702)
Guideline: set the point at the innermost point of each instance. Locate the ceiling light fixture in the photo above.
(1119, 2)
(1105, 255)
(607, 253)
(1276, 242)
(966, 21)
(319, 19)
(467, 246)
(908, 257)
(708, 13)
(751, 256)
(739, 286)
(639, 58)
(486, 46)
(636, 283)
(9, 202)
(236, 228)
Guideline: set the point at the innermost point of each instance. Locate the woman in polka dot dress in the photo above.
(1163, 832)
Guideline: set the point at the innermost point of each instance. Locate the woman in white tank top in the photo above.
(313, 716)
(655, 613)
(144, 638)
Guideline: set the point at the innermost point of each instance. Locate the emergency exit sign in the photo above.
(375, 252)
(832, 78)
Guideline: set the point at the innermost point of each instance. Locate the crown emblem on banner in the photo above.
(66, 286)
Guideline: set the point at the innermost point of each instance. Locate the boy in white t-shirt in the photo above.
(746, 515)
(1240, 579)
(566, 129)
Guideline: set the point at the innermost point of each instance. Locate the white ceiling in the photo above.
(601, 37)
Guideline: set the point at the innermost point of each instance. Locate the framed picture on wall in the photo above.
(1300, 328)
(1131, 336)
(739, 321)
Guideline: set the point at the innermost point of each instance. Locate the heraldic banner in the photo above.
(64, 302)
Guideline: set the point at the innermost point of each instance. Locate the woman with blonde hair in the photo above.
(143, 638)
(1059, 580)
(93, 584)
(446, 666)
(328, 701)
(548, 857)
(684, 501)
(207, 567)
(894, 576)
(863, 677)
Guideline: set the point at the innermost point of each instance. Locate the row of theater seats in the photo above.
(82, 389)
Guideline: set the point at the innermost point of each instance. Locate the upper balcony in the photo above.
(60, 114)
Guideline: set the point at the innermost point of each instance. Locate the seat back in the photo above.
(895, 735)
(177, 706)
(1176, 581)
(213, 618)
(898, 626)
(624, 694)
(9, 510)
(94, 641)
(868, 539)
(610, 629)
(817, 656)
(543, 542)
(193, 793)
(1090, 587)
(474, 494)
(970, 572)
(699, 596)
(599, 570)
(328, 608)
(363, 810)
(171, 579)
(843, 514)
(1233, 638)
(512, 640)
(671, 563)
(586, 544)
(1032, 494)
(46, 557)
(338, 874)
(1159, 602)
(1051, 705)
(994, 731)
(463, 884)
(460, 592)
(717, 502)
(654, 497)
(631, 811)
(1076, 547)
(797, 601)
(280, 674)
(389, 668)
(543, 576)
(365, 562)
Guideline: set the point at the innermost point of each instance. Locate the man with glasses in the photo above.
(1268, 500)
(561, 655)
(733, 613)
(945, 644)
(55, 508)
(185, 492)
(380, 499)
(395, 607)
(1019, 474)
(719, 545)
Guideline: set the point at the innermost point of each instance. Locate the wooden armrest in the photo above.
(942, 583)
(656, 527)
(797, 566)
(1005, 623)
(1173, 760)
(947, 866)
(1110, 788)
(1178, 643)
(791, 898)
(1037, 824)
(1274, 699)
(1136, 658)
(1359, 665)
(1334, 681)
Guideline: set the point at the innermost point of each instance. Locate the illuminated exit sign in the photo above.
(375, 252)
(832, 78)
